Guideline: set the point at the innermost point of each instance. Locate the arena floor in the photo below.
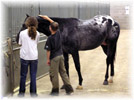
(93, 68)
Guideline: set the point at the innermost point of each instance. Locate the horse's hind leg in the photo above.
(112, 71)
(111, 49)
(108, 51)
(75, 56)
(112, 64)
(105, 49)
(107, 71)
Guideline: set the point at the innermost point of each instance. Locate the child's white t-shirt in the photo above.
(29, 50)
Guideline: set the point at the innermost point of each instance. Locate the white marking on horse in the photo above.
(85, 22)
(111, 77)
(99, 20)
(108, 17)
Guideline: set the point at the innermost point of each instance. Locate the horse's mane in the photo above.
(61, 20)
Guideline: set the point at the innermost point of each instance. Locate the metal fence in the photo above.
(16, 15)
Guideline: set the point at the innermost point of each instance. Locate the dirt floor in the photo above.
(93, 68)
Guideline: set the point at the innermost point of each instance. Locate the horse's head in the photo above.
(43, 26)
(23, 27)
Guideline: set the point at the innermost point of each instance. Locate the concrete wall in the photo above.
(118, 12)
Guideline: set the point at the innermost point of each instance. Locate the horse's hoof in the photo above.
(110, 81)
(63, 87)
(105, 83)
(79, 87)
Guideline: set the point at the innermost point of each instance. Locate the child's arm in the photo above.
(47, 18)
(48, 57)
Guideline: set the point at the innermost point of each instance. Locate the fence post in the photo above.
(10, 53)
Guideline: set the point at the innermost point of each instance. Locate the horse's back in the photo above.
(85, 34)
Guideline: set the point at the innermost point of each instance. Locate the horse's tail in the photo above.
(115, 42)
(113, 38)
(114, 52)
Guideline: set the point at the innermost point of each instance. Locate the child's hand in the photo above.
(48, 62)
(44, 16)
(40, 15)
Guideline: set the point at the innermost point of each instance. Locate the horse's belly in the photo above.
(88, 47)
(91, 43)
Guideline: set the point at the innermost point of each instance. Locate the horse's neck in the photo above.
(58, 20)
(65, 20)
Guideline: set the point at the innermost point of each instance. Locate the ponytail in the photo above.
(32, 32)
(32, 25)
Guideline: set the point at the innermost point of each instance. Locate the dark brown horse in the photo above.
(80, 34)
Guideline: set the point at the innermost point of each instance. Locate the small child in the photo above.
(28, 39)
(55, 58)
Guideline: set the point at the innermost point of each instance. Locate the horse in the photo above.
(79, 35)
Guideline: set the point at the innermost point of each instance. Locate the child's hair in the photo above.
(54, 26)
(32, 25)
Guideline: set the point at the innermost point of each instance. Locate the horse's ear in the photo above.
(27, 15)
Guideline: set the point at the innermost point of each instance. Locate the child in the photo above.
(28, 40)
(55, 58)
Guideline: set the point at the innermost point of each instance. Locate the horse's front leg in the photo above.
(66, 62)
(75, 56)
